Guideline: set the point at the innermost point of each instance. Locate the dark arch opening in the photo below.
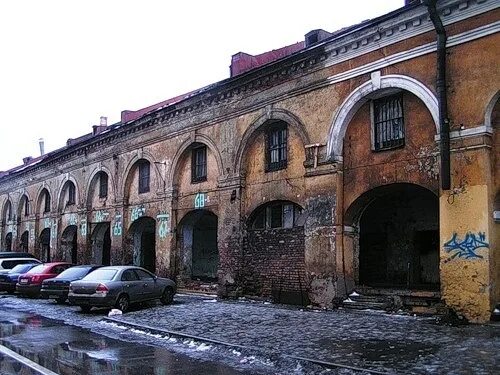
(198, 246)
(101, 244)
(44, 245)
(69, 247)
(398, 237)
(142, 236)
(24, 241)
(8, 242)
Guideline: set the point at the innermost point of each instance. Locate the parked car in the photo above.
(6, 264)
(120, 286)
(15, 254)
(58, 287)
(30, 283)
(8, 280)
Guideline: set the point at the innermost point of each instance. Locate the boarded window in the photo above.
(143, 177)
(276, 215)
(388, 122)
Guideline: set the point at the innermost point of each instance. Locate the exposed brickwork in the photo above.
(273, 261)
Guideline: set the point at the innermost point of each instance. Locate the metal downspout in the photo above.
(444, 124)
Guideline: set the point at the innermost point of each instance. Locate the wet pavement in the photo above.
(272, 336)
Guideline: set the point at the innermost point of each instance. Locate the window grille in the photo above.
(103, 185)
(276, 152)
(199, 164)
(143, 177)
(388, 122)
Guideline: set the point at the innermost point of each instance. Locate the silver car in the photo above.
(120, 286)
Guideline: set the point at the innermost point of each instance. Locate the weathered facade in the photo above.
(299, 178)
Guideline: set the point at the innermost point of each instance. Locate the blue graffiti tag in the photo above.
(468, 247)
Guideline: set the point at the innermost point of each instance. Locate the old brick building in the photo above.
(313, 170)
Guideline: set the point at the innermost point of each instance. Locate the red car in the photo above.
(30, 283)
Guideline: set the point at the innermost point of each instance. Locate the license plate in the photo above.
(23, 281)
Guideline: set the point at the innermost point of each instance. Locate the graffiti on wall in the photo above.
(468, 247)
(46, 223)
(83, 227)
(137, 212)
(53, 232)
(163, 221)
(200, 199)
(117, 225)
(101, 216)
(73, 219)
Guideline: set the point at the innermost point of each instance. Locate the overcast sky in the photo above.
(65, 63)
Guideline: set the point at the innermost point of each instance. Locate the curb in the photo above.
(264, 353)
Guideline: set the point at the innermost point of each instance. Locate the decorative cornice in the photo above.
(481, 130)
(356, 41)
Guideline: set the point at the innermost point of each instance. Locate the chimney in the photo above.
(103, 125)
(42, 146)
(316, 36)
(27, 159)
(411, 2)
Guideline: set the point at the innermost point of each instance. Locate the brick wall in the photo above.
(273, 264)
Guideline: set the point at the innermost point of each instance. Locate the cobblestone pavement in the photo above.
(377, 341)
(394, 343)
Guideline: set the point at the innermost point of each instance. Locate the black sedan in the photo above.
(120, 286)
(58, 287)
(8, 280)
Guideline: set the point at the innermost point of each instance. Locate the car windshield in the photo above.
(100, 275)
(21, 268)
(39, 269)
(73, 273)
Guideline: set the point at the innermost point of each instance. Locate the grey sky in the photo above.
(64, 63)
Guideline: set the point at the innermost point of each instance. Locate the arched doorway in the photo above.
(398, 237)
(142, 236)
(44, 243)
(101, 244)
(8, 242)
(24, 241)
(68, 244)
(199, 254)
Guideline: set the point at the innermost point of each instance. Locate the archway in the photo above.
(142, 236)
(68, 244)
(101, 244)
(24, 241)
(198, 246)
(8, 242)
(44, 245)
(398, 237)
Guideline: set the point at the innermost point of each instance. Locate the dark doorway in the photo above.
(399, 238)
(44, 241)
(69, 246)
(8, 242)
(198, 243)
(101, 244)
(24, 241)
(142, 235)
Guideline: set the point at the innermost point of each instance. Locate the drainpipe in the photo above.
(444, 124)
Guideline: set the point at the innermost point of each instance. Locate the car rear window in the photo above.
(100, 274)
(21, 268)
(39, 269)
(73, 272)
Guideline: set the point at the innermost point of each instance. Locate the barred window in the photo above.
(276, 152)
(199, 164)
(103, 185)
(144, 177)
(388, 124)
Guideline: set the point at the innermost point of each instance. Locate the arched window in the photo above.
(275, 215)
(46, 201)
(276, 146)
(144, 175)
(103, 185)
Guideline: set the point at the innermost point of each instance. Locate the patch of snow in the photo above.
(267, 303)
(203, 347)
(354, 294)
(115, 312)
(496, 311)
(210, 300)
(348, 300)
(235, 352)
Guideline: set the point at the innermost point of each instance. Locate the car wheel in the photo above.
(167, 297)
(122, 303)
(85, 309)
(61, 300)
